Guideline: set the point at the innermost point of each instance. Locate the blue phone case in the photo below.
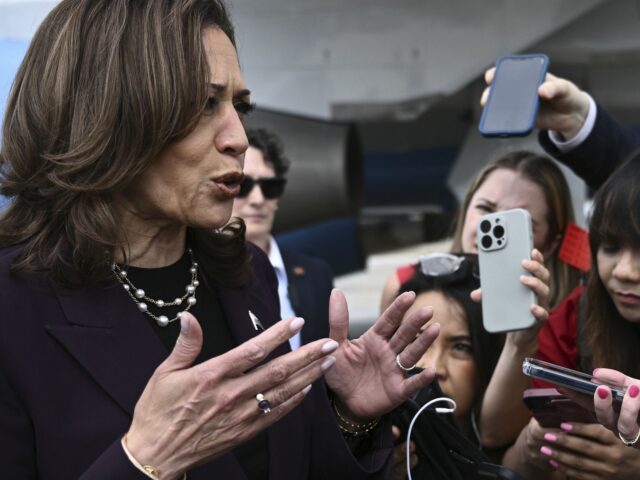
(512, 105)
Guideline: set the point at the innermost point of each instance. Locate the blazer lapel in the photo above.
(110, 339)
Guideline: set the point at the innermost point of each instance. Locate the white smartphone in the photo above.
(504, 240)
(565, 377)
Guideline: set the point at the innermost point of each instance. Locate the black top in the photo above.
(168, 283)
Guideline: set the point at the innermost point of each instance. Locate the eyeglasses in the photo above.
(443, 264)
(271, 187)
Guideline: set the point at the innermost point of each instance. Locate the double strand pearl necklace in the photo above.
(141, 299)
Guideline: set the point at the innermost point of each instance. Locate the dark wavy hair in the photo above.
(615, 222)
(457, 288)
(105, 86)
(270, 145)
(547, 175)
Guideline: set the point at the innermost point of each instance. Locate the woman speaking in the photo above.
(139, 335)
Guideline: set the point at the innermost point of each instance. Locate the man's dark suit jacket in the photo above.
(606, 147)
(74, 362)
(310, 284)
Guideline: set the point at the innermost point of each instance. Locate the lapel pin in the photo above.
(257, 324)
(298, 270)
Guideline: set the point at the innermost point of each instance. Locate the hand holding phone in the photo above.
(504, 240)
(513, 100)
(567, 378)
(550, 408)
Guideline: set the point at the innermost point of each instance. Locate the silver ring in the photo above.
(402, 367)
(263, 403)
(630, 443)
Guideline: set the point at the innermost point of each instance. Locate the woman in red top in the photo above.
(603, 332)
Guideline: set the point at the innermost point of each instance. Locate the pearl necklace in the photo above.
(141, 299)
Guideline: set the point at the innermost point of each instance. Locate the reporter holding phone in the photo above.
(123, 147)
(606, 334)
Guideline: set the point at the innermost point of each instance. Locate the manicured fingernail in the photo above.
(330, 346)
(184, 325)
(634, 390)
(546, 451)
(306, 389)
(296, 324)
(550, 437)
(602, 393)
(553, 463)
(595, 371)
(567, 427)
(328, 363)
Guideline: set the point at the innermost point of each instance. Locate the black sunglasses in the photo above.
(271, 187)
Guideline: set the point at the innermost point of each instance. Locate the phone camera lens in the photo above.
(486, 241)
(498, 231)
(485, 226)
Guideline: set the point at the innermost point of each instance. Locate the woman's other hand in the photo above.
(188, 414)
(399, 468)
(525, 455)
(590, 452)
(366, 379)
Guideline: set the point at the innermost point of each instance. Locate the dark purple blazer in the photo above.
(74, 362)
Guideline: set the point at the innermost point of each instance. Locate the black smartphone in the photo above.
(565, 377)
(551, 408)
(512, 105)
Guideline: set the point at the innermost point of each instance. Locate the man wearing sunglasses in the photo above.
(304, 283)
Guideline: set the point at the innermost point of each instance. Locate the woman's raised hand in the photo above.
(188, 414)
(538, 282)
(366, 378)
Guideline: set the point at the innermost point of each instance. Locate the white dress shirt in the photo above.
(566, 145)
(286, 310)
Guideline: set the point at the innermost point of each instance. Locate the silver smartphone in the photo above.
(565, 377)
(504, 240)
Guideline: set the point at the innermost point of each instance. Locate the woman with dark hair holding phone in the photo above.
(122, 150)
(464, 354)
(531, 181)
(596, 326)
(462, 339)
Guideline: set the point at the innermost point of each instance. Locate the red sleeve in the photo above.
(557, 339)
(405, 273)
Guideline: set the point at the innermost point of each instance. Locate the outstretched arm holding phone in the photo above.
(592, 152)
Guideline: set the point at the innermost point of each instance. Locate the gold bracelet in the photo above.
(148, 470)
(350, 428)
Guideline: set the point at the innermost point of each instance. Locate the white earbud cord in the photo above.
(415, 417)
